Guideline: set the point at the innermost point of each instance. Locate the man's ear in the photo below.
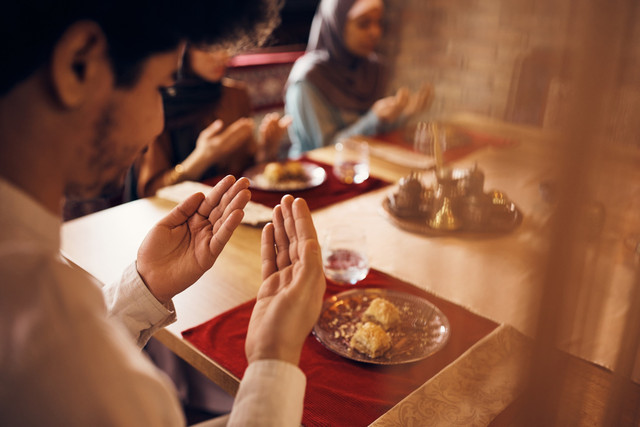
(78, 62)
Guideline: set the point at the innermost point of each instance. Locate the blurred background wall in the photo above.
(504, 58)
(571, 67)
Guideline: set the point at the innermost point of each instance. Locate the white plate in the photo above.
(423, 328)
(316, 175)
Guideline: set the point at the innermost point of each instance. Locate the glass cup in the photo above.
(344, 254)
(422, 139)
(351, 164)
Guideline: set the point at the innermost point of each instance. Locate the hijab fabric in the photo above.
(187, 108)
(189, 97)
(346, 80)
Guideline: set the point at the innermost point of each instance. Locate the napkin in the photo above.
(341, 391)
(178, 192)
(402, 155)
(254, 213)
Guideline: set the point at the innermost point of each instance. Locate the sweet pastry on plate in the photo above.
(273, 171)
(292, 170)
(382, 312)
(371, 339)
(295, 170)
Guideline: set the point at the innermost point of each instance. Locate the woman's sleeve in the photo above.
(367, 124)
(315, 122)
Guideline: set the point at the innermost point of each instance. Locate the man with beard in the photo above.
(78, 101)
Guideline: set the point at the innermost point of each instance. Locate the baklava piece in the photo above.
(276, 172)
(371, 339)
(382, 312)
(295, 171)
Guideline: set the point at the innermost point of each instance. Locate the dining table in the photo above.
(486, 281)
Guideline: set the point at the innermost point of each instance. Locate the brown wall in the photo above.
(502, 58)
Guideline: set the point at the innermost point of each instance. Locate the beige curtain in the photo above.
(595, 229)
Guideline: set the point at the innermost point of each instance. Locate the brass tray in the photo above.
(506, 218)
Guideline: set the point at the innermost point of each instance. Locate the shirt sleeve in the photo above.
(271, 394)
(367, 124)
(134, 306)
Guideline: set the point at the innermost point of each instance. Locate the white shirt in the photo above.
(70, 352)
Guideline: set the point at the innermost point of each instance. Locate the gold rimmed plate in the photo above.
(423, 329)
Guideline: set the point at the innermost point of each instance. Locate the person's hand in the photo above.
(185, 243)
(290, 297)
(419, 101)
(214, 145)
(389, 109)
(272, 129)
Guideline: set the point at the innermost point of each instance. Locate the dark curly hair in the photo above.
(135, 29)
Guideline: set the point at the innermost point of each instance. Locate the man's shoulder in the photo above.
(23, 258)
(34, 277)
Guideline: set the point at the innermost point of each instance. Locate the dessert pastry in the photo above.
(383, 313)
(371, 339)
(292, 170)
(273, 171)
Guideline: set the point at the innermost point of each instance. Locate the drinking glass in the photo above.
(430, 138)
(351, 164)
(422, 140)
(344, 254)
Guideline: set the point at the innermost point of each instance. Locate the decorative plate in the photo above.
(422, 331)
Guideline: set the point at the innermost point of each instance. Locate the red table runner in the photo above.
(341, 391)
(329, 192)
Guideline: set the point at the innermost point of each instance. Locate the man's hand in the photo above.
(290, 298)
(185, 244)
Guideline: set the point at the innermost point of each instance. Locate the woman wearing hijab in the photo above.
(208, 128)
(336, 88)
